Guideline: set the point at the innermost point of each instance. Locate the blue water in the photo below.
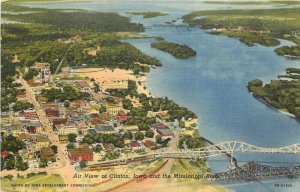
(213, 84)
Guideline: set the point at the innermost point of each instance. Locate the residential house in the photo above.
(83, 86)
(131, 128)
(165, 133)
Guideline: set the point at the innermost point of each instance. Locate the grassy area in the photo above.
(37, 179)
(148, 14)
(253, 26)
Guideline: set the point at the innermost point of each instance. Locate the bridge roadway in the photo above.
(224, 148)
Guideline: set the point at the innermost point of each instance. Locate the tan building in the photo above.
(113, 109)
(41, 141)
(66, 129)
(131, 128)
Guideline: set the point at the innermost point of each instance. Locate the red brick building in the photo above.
(31, 129)
(82, 153)
(51, 112)
(30, 114)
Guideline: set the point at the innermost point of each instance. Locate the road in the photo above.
(65, 168)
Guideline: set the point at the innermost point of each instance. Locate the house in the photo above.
(149, 143)
(165, 133)
(82, 153)
(41, 141)
(158, 126)
(131, 128)
(65, 129)
(104, 129)
(83, 86)
(113, 108)
(122, 116)
(163, 116)
(136, 145)
(52, 112)
(26, 138)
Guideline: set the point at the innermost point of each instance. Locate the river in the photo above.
(213, 84)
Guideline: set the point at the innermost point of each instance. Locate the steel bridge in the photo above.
(224, 148)
(252, 171)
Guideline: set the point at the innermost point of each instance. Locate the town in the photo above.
(66, 117)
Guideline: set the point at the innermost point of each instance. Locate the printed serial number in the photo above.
(283, 185)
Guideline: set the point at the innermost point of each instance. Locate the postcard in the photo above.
(150, 95)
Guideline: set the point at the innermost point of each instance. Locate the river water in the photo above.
(213, 84)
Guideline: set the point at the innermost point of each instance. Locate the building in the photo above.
(41, 141)
(165, 133)
(47, 154)
(158, 126)
(113, 108)
(104, 129)
(83, 86)
(82, 153)
(149, 143)
(52, 112)
(44, 71)
(26, 138)
(65, 129)
(131, 128)
(136, 145)
(163, 116)
(122, 116)
(30, 114)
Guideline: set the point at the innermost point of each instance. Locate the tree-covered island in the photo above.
(253, 26)
(148, 14)
(177, 50)
(282, 94)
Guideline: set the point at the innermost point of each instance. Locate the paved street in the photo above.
(64, 166)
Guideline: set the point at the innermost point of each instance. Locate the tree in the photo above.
(54, 148)
(102, 109)
(143, 127)
(149, 133)
(10, 164)
(70, 146)
(82, 164)
(66, 104)
(158, 139)
(72, 137)
(139, 135)
(30, 74)
(96, 87)
(43, 163)
(127, 104)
